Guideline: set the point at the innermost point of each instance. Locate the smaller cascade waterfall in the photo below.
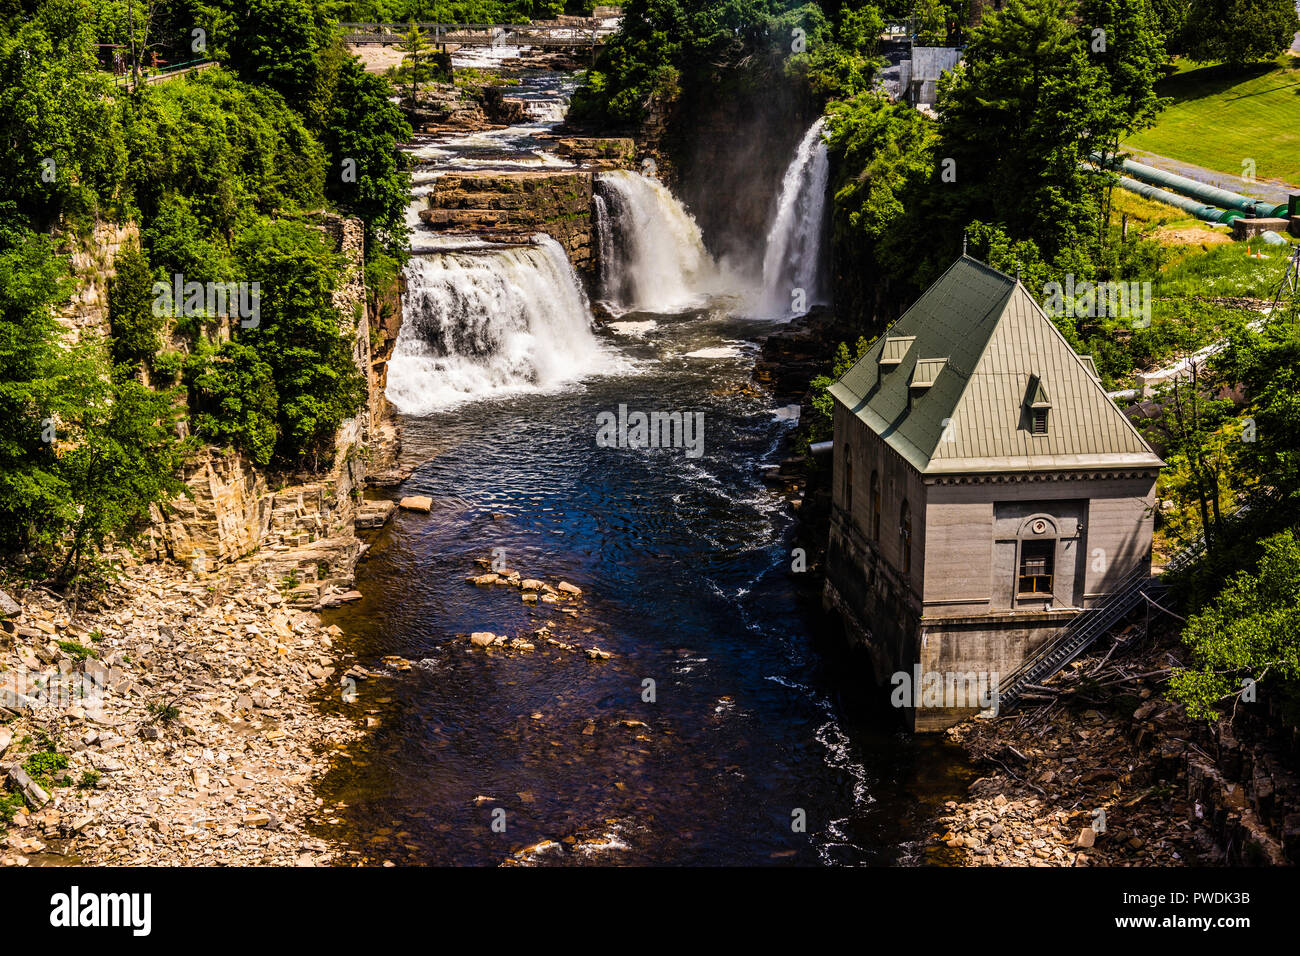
(656, 260)
(490, 321)
(793, 257)
(604, 246)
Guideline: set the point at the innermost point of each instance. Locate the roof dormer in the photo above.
(894, 349)
(927, 371)
(1038, 405)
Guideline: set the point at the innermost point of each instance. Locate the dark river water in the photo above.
(759, 745)
(684, 564)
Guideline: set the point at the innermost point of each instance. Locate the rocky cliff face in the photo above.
(92, 263)
(301, 525)
(725, 156)
(514, 205)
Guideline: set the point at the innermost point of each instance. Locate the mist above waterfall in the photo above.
(793, 273)
(491, 321)
(652, 252)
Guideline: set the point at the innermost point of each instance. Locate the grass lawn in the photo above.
(1218, 118)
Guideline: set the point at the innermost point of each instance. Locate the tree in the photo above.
(931, 22)
(414, 46)
(32, 279)
(1190, 429)
(281, 43)
(367, 171)
(1123, 39)
(118, 454)
(823, 404)
(59, 145)
(1238, 32)
(1017, 122)
(132, 319)
(1250, 631)
(298, 335)
(233, 391)
(1267, 364)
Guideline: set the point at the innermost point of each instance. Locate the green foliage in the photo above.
(59, 146)
(1267, 364)
(118, 454)
(286, 384)
(883, 165)
(32, 280)
(1018, 121)
(1251, 630)
(232, 391)
(83, 452)
(364, 130)
(10, 804)
(47, 767)
(1238, 32)
(231, 150)
(639, 62)
(132, 318)
(79, 651)
(163, 712)
(823, 405)
(281, 44)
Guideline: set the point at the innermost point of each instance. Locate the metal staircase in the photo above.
(1077, 636)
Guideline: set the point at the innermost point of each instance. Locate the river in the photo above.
(723, 728)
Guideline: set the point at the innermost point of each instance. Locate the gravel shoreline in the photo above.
(181, 715)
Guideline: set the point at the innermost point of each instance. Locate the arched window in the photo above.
(905, 536)
(848, 479)
(875, 506)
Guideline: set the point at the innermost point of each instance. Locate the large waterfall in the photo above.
(490, 321)
(656, 258)
(793, 257)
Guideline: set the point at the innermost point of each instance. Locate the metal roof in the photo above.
(975, 417)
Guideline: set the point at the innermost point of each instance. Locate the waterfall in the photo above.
(657, 258)
(490, 321)
(793, 257)
(604, 246)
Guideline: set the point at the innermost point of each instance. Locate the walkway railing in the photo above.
(170, 73)
(478, 34)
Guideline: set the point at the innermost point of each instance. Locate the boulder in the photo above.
(28, 787)
(8, 606)
(416, 503)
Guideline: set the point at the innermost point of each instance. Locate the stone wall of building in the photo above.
(955, 610)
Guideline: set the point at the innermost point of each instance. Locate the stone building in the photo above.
(986, 490)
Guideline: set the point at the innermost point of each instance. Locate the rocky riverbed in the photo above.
(1102, 770)
(170, 719)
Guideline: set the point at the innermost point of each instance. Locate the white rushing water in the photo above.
(491, 321)
(652, 252)
(793, 257)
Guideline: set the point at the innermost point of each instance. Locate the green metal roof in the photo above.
(974, 418)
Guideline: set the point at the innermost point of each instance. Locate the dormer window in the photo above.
(926, 371)
(1038, 405)
(895, 347)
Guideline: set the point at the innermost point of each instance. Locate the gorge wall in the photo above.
(724, 156)
(304, 523)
